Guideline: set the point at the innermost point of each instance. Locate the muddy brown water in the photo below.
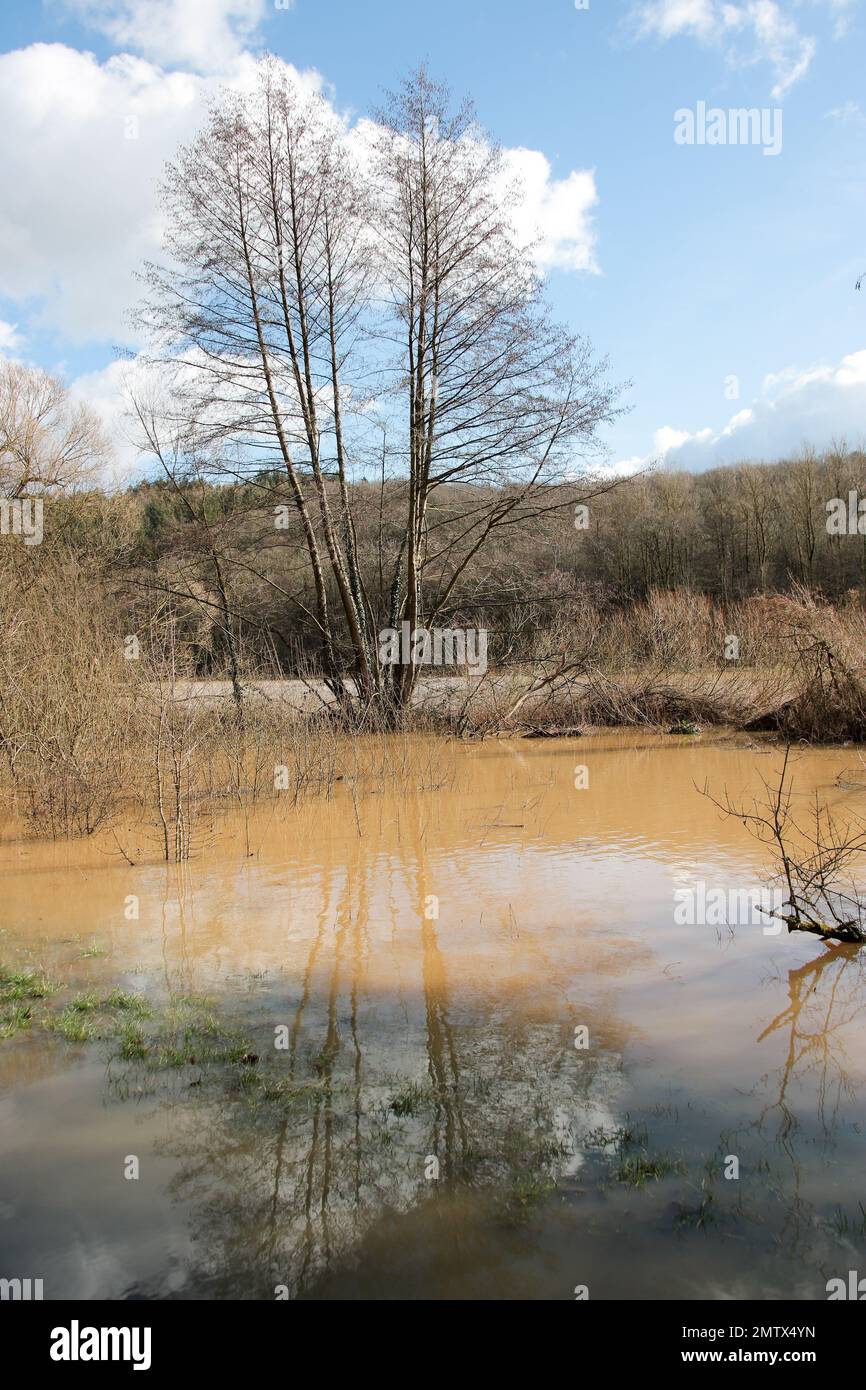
(432, 958)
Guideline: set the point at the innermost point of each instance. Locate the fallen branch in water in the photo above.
(820, 878)
(849, 932)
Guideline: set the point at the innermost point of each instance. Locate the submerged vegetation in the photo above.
(188, 1047)
(269, 1120)
(20, 993)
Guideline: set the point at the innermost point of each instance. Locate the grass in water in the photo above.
(634, 1169)
(410, 1099)
(29, 997)
(19, 991)
(24, 984)
(639, 1169)
(190, 1034)
(88, 1016)
(844, 1226)
(620, 1138)
(187, 1031)
(14, 1018)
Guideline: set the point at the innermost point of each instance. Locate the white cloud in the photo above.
(84, 144)
(796, 407)
(107, 392)
(780, 42)
(850, 113)
(556, 212)
(746, 33)
(666, 439)
(670, 17)
(205, 35)
(10, 338)
(841, 9)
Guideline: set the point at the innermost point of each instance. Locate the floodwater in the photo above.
(504, 1065)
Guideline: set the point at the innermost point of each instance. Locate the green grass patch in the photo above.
(636, 1170)
(83, 1004)
(124, 1002)
(88, 1016)
(24, 984)
(187, 1033)
(20, 990)
(14, 1018)
(133, 1046)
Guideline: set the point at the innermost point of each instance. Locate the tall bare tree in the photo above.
(325, 289)
(495, 394)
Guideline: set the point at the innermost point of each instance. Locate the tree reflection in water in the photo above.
(289, 1175)
(284, 1172)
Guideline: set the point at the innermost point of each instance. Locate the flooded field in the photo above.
(469, 1041)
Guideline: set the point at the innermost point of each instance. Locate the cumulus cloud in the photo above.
(555, 213)
(797, 406)
(206, 35)
(84, 144)
(750, 32)
(107, 391)
(665, 441)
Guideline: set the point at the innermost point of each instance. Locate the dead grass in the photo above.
(88, 734)
(787, 663)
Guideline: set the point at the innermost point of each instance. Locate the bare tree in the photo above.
(185, 473)
(816, 859)
(495, 394)
(326, 291)
(255, 313)
(48, 441)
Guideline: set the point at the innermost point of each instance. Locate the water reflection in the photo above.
(396, 1105)
(825, 997)
(430, 1128)
(320, 1198)
(810, 1116)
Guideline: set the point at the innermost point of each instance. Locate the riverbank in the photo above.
(95, 731)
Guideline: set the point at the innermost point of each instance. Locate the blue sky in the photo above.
(718, 278)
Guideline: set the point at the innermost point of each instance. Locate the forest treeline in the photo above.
(229, 558)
